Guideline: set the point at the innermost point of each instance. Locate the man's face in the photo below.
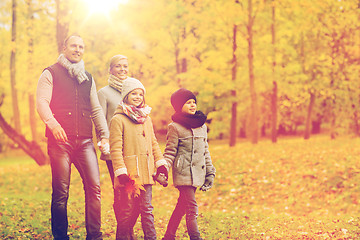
(74, 49)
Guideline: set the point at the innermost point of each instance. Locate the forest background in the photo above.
(259, 68)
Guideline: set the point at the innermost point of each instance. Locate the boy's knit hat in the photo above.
(180, 97)
(129, 85)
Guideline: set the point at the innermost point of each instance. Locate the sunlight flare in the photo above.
(104, 6)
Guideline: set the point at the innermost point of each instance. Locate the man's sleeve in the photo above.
(43, 98)
(97, 113)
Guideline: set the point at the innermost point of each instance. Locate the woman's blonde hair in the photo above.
(115, 59)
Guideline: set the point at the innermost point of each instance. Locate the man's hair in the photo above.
(67, 39)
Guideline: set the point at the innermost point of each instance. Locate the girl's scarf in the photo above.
(136, 114)
(76, 70)
(115, 82)
(190, 120)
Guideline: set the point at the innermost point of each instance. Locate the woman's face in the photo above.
(189, 107)
(120, 69)
(135, 97)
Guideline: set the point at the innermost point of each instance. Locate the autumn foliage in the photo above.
(257, 67)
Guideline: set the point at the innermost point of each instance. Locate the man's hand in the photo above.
(104, 146)
(59, 134)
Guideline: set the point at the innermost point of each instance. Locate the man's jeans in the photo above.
(186, 204)
(127, 211)
(81, 153)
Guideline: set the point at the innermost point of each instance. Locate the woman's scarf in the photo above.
(137, 114)
(76, 70)
(190, 120)
(115, 82)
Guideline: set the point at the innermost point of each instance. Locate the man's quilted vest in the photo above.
(70, 103)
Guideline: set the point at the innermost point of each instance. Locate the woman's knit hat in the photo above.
(129, 85)
(180, 97)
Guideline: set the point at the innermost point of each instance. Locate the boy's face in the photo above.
(189, 107)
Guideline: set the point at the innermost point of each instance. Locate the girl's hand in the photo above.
(162, 169)
(123, 179)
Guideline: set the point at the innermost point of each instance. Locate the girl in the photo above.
(135, 154)
(187, 151)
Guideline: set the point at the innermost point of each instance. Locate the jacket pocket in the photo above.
(179, 163)
(85, 121)
(132, 165)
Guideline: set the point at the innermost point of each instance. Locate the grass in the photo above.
(294, 189)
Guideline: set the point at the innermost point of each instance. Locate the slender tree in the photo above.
(233, 92)
(15, 103)
(274, 89)
(253, 97)
(29, 30)
(180, 63)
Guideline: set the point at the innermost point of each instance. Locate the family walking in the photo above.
(69, 105)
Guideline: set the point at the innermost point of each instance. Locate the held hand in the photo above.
(104, 146)
(161, 176)
(59, 134)
(162, 169)
(209, 180)
(123, 179)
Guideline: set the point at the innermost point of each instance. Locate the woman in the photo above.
(110, 97)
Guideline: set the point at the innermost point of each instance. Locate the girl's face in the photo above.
(189, 107)
(120, 69)
(135, 97)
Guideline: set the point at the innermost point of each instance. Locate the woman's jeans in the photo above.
(186, 204)
(128, 210)
(81, 153)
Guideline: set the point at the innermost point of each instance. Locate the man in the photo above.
(67, 102)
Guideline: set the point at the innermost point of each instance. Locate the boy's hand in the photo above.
(209, 180)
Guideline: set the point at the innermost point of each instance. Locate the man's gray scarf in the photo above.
(76, 70)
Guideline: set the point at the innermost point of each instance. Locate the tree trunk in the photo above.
(62, 26)
(15, 103)
(254, 105)
(274, 90)
(233, 92)
(32, 117)
(32, 110)
(308, 117)
(181, 64)
(333, 77)
(31, 148)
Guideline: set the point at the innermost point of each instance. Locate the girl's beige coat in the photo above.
(134, 149)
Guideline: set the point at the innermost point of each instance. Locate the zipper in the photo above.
(76, 110)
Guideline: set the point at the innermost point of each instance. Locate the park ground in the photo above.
(294, 189)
